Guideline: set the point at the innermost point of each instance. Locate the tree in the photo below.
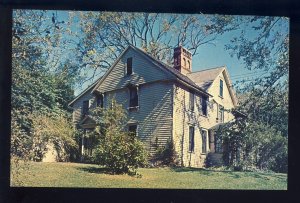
(107, 34)
(118, 150)
(56, 130)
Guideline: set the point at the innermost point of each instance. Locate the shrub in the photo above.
(118, 150)
(166, 155)
(52, 129)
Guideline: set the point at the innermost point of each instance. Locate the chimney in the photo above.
(182, 60)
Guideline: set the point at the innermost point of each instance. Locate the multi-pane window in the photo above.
(221, 114)
(192, 101)
(129, 66)
(221, 88)
(132, 129)
(204, 140)
(85, 107)
(99, 100)
(204, 106)
(134, 98)
(191, 138)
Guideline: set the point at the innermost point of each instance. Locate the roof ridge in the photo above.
(224, 66)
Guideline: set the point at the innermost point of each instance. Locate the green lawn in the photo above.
(93, 176)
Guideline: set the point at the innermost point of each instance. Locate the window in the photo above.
(132, 129)
(99, 100)
(204, 106)
(192, 99)
(189, 64)
(184, 62)
(134, 99)
(221, 114)
(85, 107)
(129, 66)
(204, 140)
(218, 144)
(221, 88)
(191, 138)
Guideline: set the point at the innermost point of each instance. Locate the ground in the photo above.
(93, 176)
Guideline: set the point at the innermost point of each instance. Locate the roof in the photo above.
(171, 70)
(84, 91)
(205, 78)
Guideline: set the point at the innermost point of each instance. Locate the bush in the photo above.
(118, 150)
(57, 130)
(166, 155)
(250, 146)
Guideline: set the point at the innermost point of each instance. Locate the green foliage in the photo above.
(166, 155)
(55, 130)
(118, 150)
(251, 145)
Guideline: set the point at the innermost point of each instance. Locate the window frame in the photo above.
(101, 98)
(136, 128)
(136, 97)
(191, 139)
(204, 134)
(221, 88)
(85, 108)
(192, 102)
(220, 113)
(204, 105)
(129, 66)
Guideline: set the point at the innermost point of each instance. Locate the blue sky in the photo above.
(209, 55)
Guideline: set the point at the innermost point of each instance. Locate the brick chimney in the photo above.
(182, 60)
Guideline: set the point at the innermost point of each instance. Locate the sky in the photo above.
(209, 55)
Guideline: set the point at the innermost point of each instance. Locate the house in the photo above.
(163, 103)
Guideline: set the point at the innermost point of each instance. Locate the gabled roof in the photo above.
(177, 75)
(84, 91)
(205, 78)
(170, 69)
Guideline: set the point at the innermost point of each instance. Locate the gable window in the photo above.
(221, 114)
(129, 66)
(99, 100)
(134, 98)
(132, 129)
(204, 106)
(192, 101)
(85, 107)
(191, 138)
(221, 88)
(204, 140)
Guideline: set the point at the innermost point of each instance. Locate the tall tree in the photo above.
(107, 34)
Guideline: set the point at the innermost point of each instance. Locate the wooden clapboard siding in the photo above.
(77, 106)
(226, 101)
(183, 118)
(154, 116)
(143, 72)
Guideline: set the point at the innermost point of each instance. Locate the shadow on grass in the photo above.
(94, 169)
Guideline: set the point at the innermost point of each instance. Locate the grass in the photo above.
(92, 176)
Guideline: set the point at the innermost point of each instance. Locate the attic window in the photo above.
(221, 88)
(129, 66)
